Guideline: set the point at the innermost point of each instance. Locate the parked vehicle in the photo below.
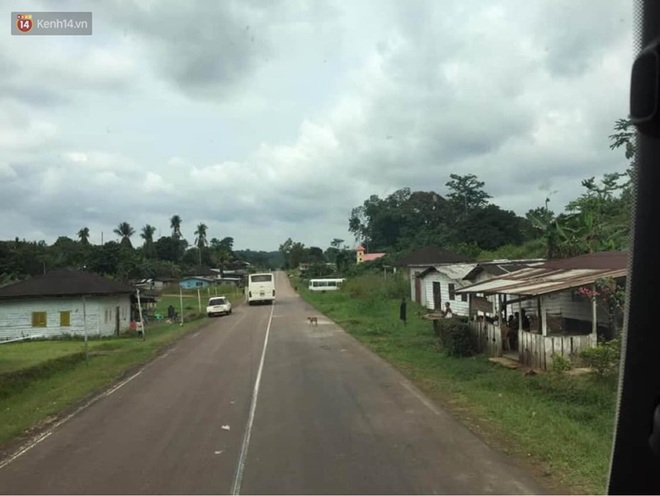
(218, 305)
(260, 288)
(325, 284)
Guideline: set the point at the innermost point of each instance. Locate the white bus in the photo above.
(260, 288)
(325, 284)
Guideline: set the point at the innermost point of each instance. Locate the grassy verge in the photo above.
(41, 379)
(561, 424)
(36, 401)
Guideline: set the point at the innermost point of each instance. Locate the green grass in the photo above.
(190, 301)
(16, 356)
(562, 424)
(42, 379)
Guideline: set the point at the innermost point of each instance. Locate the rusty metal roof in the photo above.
(500, 267)
(452, 271)
(550, 278)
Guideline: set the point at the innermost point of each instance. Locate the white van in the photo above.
(260, 288)
(325, 284)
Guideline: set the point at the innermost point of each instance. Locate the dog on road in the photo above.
(313, 321)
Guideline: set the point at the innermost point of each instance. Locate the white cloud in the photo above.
(6, 171)
(269, 121)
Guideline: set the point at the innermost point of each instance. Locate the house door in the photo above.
(436, 296)
(117, 321)
(418, 290)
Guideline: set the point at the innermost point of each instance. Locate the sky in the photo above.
(273, 119)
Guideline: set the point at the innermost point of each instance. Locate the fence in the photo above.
(534, 350)
(488, 337)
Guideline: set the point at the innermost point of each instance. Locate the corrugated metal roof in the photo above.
(501, 267)
(538, 281)
(455, 271)
(600, 260)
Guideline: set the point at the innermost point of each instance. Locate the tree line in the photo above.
(166, 257)
(466, 221)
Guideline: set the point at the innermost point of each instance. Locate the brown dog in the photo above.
(313, 320)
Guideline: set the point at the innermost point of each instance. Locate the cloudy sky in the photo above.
(267, 120)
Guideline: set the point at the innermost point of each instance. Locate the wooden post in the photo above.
(142, 330)
(470, 306)
(520, 323)
(594, 315)
(181, 303)
(543, 318)
(85, 328)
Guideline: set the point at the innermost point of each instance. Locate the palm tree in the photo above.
(125, 231)
(148, 236)
(175, 224)
(200, 239)
(83, 234)
(221, 257)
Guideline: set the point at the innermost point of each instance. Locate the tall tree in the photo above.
(466, 193)
(490, 227)
(83, 235)
(147, 235)
(285, 250)
(169, 249)
(228, 243)
(314, 254)
(200, 236)
(200, 239)
(125, 231)
(175, 224)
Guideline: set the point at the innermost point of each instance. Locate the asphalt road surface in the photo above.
(260, 402)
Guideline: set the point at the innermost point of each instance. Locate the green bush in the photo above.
(15, 381)
(604, 358)
(372, 287)
(455, 337)
(560, 364)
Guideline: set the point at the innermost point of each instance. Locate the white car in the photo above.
(218, 305)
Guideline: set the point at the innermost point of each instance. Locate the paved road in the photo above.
(329, 417)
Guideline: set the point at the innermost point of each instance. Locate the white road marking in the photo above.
(26, 448)
(32, 443)
(122, 384)
(236, 488)
(421, 398)
(46, 434)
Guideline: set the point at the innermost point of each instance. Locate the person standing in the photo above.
(448, 312)
(402, 311)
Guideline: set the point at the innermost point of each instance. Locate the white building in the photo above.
(440, 283)
(51, 305)
(419, 261)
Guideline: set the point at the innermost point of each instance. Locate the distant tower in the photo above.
(360, 253)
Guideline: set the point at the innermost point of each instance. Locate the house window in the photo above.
(38, 319)
(452, 291)
(198, 284)
(65, 319)
(464, 296)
